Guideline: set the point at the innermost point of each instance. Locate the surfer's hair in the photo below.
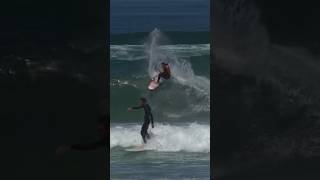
(144, 100)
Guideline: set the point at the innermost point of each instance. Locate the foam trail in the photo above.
(166, 138)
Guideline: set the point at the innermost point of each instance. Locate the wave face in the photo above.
(165, 138)
(186, 96)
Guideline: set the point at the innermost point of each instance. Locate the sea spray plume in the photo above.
(181, 69)
(155, 54)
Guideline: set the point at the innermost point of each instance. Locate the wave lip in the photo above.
(193, 137)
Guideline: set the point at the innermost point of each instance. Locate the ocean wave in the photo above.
(193, 137)
(186, 94)
(137, 52)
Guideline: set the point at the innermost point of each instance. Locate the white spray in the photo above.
(166, 138)
(181, 70)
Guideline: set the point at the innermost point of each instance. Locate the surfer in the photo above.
(147, 118)
(165, 73)
(103, 131)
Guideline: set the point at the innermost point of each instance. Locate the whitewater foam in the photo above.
(122, 83)
(192, 137)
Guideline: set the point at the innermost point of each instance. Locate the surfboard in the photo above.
(153, 85)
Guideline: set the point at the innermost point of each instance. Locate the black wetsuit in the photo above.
(147, 118)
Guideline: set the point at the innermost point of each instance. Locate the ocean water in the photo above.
(127, 16)
(180, 143)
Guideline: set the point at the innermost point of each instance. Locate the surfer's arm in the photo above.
(137, 107)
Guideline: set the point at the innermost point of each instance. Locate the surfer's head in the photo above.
(164, 65)
(143, 100)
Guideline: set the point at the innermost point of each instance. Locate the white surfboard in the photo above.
(153, 85)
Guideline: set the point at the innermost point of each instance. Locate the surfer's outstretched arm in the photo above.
(137, 107)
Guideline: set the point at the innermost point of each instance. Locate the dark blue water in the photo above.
(167, 15)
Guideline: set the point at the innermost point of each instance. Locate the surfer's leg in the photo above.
(159, 76)
(144, 132)
(143, 136)
(147, 134)
(147, 127)
(147, 122)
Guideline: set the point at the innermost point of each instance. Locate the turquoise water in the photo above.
(180, 145)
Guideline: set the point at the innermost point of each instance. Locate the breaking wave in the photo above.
(192, 137)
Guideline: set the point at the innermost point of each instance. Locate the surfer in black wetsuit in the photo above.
(103, 131)
(147, 118)
(165, 72)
